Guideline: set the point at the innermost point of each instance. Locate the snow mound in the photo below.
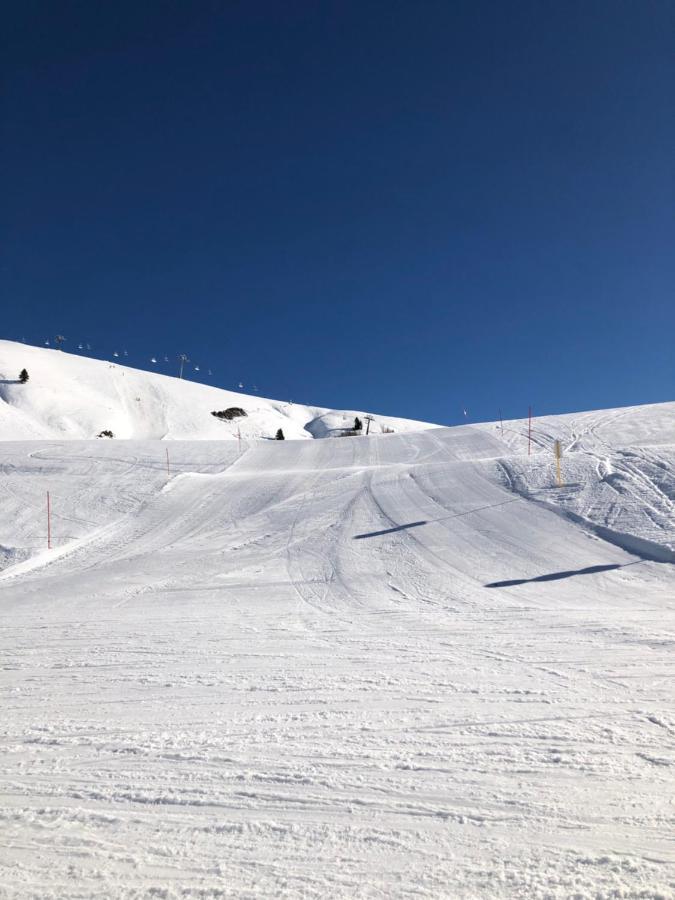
(340, 422)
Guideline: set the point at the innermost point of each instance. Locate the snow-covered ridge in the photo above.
(69, 396)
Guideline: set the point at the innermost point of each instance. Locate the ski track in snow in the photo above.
(399, 666)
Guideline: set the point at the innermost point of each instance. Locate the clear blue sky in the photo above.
(408, 207)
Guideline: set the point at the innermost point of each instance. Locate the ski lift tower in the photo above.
(368, 419)
(58, 340)
(183, 359)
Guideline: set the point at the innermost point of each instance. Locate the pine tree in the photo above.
(358, 424)
(23, 376)
(280, 435)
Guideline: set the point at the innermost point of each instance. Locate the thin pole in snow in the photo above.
(168, 470)
(239, 437)
(49, 523)
(368, 419)
(501, 422)
(529, 430)
(558, 453)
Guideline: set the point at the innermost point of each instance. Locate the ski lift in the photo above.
(80, 347)
(196, 368)
(116, 354)
(240, 385)
(153, 360)
(46, 343)
(166, 359)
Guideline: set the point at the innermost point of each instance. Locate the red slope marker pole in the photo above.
(529, 430)
(49, 523)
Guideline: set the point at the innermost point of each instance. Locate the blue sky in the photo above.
(410, 207)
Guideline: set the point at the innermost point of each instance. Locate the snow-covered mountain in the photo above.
(69, 396)
(406, 665)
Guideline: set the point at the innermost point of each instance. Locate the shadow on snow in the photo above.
(467, 512)
(369, 534)
(557, 576)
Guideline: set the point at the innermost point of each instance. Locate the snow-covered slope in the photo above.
(395, 666)
(70, 396)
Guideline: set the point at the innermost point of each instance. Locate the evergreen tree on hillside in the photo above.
(23, 376)
(358, 424)
(280, 435)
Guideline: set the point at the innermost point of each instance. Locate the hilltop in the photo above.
(76, 397)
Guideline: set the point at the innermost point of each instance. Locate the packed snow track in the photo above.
(407, 665)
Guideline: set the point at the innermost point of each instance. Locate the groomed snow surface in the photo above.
(407, 665)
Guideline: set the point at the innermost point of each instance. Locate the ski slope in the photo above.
(405, 665)
(70, 396)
